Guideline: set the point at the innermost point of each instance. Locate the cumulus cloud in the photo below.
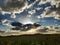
(6, 22)
(32, 12)
(40, 30)
(29, 6)
(13, 15)
(49, 11)
(53, 2)
(38, 8)
(38, 17)
(46, 30)
(12, 11)
(32, 29)
(43, 2)
(54, 28)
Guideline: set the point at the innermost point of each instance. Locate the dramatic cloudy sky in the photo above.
(44, 12)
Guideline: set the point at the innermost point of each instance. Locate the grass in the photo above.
(36, 39)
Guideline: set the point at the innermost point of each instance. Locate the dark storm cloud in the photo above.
(20, 26)
(16, 24)
(12, 4)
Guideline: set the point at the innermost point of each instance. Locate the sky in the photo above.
(31, 14)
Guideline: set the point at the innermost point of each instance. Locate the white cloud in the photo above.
(29, 15)
(51, 12)
(38, 17)
(18, 10)
(53, 2)
(43, 2)
(13, 15)
(6, 22)
(13, 11)
(29, 6)
(38, 8)
(32, 12)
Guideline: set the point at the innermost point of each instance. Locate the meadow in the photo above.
(36, 39)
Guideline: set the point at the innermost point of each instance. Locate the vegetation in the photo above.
(36, 39)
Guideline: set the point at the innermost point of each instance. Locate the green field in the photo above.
(36, 39)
